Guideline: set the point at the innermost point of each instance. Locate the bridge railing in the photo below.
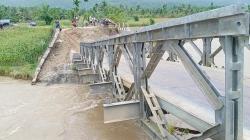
(229, 24)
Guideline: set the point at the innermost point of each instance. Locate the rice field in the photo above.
(20, 49)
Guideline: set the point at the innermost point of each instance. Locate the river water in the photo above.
(57, 112)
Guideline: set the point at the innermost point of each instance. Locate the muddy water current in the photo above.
(57, 112)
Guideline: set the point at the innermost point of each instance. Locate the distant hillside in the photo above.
(142, 3)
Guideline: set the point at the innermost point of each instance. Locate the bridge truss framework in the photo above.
(229, 24)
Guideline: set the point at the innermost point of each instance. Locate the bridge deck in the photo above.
(172, 83)
(173, 86)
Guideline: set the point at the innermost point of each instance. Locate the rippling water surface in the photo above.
(57, 112)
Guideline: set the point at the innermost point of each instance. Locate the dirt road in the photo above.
(68, 42)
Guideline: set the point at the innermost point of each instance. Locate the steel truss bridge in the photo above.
(131, 66)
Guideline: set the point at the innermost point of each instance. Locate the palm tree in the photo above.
(45, 14)
(77, 7)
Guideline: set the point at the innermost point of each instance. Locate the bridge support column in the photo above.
(92, 60)
(89, 55)
(111, 68)
(205, 58)
(84, 51)
(85, 54)
(234, 60)
(138, 67)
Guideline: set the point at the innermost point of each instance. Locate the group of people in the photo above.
(58, 24)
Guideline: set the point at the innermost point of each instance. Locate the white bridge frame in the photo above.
(229, 24)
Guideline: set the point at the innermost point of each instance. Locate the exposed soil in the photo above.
(68, 42)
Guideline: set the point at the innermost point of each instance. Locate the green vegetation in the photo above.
(144, 21)
(104, 10)
(119, 14)
(151, 21)
(20, 49)
(171, 129)
(136, 18)
(76, 8)
(45, 15)
(170, 11)
(65, 23)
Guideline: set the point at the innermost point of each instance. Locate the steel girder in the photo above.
(230, 24)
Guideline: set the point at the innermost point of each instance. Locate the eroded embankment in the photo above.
(67, 43)
(59, 111)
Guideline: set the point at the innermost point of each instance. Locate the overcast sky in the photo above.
(143, 3)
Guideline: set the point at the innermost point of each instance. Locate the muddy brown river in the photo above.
(57, 112)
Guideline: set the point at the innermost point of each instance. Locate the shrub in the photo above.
(136, 18)
(151, 21)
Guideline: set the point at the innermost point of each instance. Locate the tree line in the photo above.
(22, 14)
(118, 14)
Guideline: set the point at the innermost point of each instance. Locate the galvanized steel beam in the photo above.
(190, 119)
(156, 56)
(197, 75)
(195, 47)
(139, 66)
(230, 20)
(121, 111)
(205, 58)
(228, 23)
(210, 133)
(234, 53)
(128, 57)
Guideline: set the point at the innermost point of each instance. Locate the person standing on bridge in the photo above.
(58, 25)
(74, 23)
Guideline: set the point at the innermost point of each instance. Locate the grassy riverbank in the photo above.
(20, 49)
